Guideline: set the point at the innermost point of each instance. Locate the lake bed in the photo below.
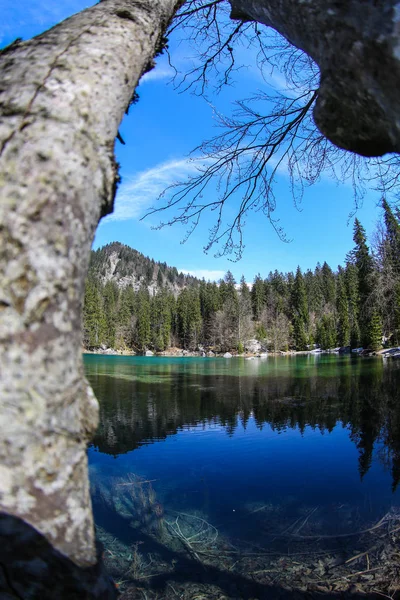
(245, 479)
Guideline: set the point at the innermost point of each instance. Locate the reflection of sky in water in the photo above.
(214, 453)
(282, 463)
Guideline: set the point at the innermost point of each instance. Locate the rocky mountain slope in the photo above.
(129, 268)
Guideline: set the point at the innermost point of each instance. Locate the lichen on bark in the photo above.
(62, 97)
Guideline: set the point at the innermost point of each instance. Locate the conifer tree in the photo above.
(143, 330)
(189, 317)
(110, 297)
(329, 285)
(364, 264)
(317, 298)
(374, 339)
(160, 279)
(326, 332)
(244, 313)
(258, 297)
(343, 326)
(300, 311)
(161, 320)
(126, 309)
(392, 225)
(351, 283)
(94, 322)
(299, 333)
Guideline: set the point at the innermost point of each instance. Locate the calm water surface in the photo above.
(249, 446)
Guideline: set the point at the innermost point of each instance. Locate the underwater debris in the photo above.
(303, 554)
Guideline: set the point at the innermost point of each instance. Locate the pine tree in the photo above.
(126, 309)
(300, 311)
(143, 330)
(392, 225)
(94, 322)
(299, 333)
(364, 264)
(388, 276)
(396, 332)
(161, 320)
(343, 326)
(351, 283)
(317, 299)
(326, 332)
(374, 335)
(160, 279)
(228, 316)
(189, 318)
(110, 296)
(244, 313)
(328, 285)
(258, 297)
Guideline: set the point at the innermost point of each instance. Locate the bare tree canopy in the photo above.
(356, 46)
(268, 132)
(62, 97)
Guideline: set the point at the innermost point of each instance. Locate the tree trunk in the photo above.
(357, 47)
(62, 97)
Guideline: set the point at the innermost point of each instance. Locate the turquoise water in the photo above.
(256, 452)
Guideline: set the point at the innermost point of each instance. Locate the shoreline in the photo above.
(180, 353)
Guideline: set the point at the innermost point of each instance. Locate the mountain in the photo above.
(135, 303)
(127, 267)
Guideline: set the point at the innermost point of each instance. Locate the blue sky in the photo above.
(160, 132)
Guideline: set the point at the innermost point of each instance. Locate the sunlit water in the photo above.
(256, 448)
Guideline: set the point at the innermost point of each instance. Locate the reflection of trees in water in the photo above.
(363, 396)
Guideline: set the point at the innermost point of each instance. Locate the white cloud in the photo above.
(138, 193)
(157, 74)
(206, 273)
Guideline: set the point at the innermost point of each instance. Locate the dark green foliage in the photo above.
(374, 339)
(299, 333)
(244, 312)
(161, 314)
(300, 311)
(258, 296)
(142, 335)
(343, 322)
(134, 302)
(392, 225)
(110, 299)
(365, 271)
(94, 322)
(326, 332)
(353, 297)
(328, 284)
(261, 332)
(189, 318)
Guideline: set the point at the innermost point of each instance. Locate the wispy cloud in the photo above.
(206, 273)
(157, 74)
(138, 193)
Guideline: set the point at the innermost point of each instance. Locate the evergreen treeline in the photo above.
(134, 302)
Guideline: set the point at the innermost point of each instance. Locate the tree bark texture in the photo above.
(62, 97)
(356, 44)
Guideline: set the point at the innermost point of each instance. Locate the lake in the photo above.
(235, 478)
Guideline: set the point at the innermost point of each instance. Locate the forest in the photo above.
(152, 306)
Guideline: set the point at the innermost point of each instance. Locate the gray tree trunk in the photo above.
(62, 98)
(356, 44)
